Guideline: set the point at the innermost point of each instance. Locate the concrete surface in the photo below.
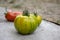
(48, 9)
(46, 31)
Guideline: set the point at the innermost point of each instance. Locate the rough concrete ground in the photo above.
(49, 11)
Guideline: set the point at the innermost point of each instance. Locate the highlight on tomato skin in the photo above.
(11, 15)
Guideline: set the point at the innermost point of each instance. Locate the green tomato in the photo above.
(37, 18)
(26, 23)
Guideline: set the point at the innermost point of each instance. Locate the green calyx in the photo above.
(5, 13)
(25, 13)
(35, 13)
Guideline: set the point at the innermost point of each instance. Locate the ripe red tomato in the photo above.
(10, 16)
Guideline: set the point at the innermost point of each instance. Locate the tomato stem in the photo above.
(5, 13)
(35, 13)
(5, 10)
(25, 13)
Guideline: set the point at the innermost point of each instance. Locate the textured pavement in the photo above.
(46, 31)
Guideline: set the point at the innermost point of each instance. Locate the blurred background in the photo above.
(48, 9)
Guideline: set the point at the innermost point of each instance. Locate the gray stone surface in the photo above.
(48, 9)
(46, 31)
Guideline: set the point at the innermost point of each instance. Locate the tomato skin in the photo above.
(37, 18)
(27, 24)
(10, 16)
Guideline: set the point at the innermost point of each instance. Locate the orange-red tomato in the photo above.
(10, 16)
